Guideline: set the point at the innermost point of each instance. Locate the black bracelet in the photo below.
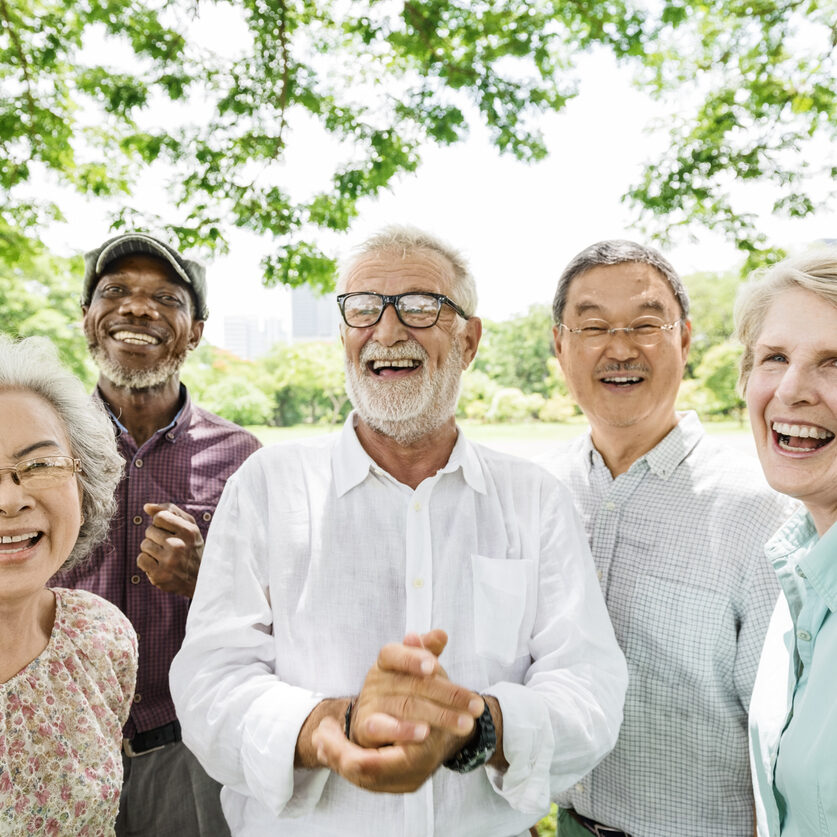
(347, 723)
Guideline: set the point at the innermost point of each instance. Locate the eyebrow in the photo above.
(45, 443)
(585, 307)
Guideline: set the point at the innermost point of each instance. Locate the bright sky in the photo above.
(517, 224)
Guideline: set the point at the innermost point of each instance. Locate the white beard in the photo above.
(136, 378)
(410, 408)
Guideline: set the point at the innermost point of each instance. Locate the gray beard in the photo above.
(409, 409)
(136, 378)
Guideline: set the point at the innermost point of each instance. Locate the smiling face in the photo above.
(38, 527)
(792, 401)
(139, 324)
(404, 382)
(627, 392)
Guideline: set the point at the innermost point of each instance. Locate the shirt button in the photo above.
(579, 788)
(417, 506)
(137, 698)
(170, 436)
(804, 635)
(137, 520)
(418, 583)
(207, 516)
(799, 572)
(599, 574)
(135, 579)
(610, 505)
(138, 463)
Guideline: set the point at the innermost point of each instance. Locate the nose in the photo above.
(139, 305)
(619, 346)
(14, 498)
(389, 330)
(798, 386)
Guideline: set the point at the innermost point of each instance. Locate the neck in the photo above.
(620, 447)
(824, 517)
(143, 411)
(25, 629)
(409, 464)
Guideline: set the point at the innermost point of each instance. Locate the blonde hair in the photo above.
(814, 271)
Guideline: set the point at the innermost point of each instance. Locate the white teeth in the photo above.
(18, 538)
(622, 380)
(406, 363)
(136, 338)
(802, 431)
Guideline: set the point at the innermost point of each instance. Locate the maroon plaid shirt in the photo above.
(186, 463)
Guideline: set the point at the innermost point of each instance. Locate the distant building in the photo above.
(249, 338)
(313, 317)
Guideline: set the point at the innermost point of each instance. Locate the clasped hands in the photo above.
(408, 719)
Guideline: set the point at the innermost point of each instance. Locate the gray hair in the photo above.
(405, 240)
(814, 271)
(32, 365)
(617, 251)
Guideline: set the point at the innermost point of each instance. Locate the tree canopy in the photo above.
(106, 95)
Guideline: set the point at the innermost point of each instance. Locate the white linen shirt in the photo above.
(317, 558)
(678, 542)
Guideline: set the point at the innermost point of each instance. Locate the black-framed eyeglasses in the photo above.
(415, 309)
(43, 472)
(642, 332)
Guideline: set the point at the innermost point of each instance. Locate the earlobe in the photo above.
(196, 334)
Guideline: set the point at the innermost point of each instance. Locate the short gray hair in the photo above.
(32, 365)
(404, 240)
(814, 271)
(617, 251)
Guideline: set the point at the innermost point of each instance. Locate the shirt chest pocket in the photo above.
(501, 594)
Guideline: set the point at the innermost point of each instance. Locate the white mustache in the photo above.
(409, 350)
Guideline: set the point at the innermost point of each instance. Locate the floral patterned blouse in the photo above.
(61, 723)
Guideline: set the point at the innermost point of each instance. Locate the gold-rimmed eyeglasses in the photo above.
(643, 332)
(44, 471)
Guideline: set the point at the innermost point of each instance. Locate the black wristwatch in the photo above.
(478, 749)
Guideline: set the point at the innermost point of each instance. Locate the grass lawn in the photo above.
(529, 432)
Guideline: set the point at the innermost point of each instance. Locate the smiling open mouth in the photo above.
(622, 380)
(393, 365)
(800, 438)
(9, 544)
(135, 338)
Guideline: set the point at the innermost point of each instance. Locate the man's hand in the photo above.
(407, 686)
(407, 720)
(172, 549)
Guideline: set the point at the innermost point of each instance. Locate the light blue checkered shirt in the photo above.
(678, 543)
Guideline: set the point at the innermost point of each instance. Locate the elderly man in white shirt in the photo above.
(396, 631)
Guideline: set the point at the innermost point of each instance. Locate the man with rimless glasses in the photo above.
(676, 523)
(396, 631)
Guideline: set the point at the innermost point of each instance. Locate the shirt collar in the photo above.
(352, 463)
(171, 430)
(663, 459)
(819, 566)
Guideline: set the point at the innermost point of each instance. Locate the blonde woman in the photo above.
(787, 322)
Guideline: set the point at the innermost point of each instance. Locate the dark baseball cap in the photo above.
(191, 272)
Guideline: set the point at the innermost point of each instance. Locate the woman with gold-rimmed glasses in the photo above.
(67, 657)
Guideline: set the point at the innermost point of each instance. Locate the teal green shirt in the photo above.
(793, 711)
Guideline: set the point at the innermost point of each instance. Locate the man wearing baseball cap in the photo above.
(144, 308)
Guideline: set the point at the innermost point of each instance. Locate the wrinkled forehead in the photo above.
(396, 271)
(629, 288)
